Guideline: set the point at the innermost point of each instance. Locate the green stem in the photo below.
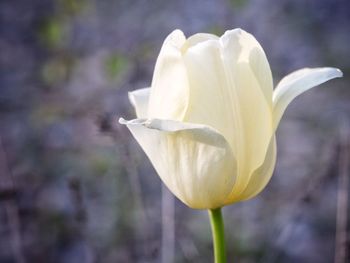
(217, 228)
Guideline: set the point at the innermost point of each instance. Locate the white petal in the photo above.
(210, 102)
(194, 161)
(226, 94)
(196, 39)
(139, 99)
(296, 83)
(245, 66)
(261, 176)
(248, 49)
(169, 92)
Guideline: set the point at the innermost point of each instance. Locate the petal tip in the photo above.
(131, 98)
(333, 72)
(122, 121)
(237, 30)
(143, 122)
(176, 38)
(339, 73)
(177, 31)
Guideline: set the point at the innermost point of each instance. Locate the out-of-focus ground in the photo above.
(76, 187)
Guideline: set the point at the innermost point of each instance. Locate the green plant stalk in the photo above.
(217, 229)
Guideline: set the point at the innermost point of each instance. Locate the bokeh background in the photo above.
(76, 187)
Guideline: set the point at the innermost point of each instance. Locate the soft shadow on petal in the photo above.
(261, 176)
(194, 161)
(256, 118)
(139, 99)
(261, 69)
(296, 83)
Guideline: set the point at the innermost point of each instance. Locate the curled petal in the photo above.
(296, 83)
(194, 161)
(139, 99)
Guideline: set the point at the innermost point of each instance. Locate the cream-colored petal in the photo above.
(194, 161)
(139, 99)
(296, 83)
(169, 92)
(254, 118)
(226, 94)
(210, 102)
(196, 39)
(261, 176)
(248, 49)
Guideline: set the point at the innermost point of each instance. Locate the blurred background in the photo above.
(76, 187)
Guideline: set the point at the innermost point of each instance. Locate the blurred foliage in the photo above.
(239, 3)
(115, 65)
(216, 30)
(52, 33)
(73, 6)
(57, 70)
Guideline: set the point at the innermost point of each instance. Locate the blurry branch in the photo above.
(77, 199)
(327, 157)
(168, 202)
(8, 195)
(107, 126)
(168, 225)
(80, 217)
(188, 248)
(343, 194)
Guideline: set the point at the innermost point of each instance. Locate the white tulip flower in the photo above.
(208, 121)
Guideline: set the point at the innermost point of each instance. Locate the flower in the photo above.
(208, 121)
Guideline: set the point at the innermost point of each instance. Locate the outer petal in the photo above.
(194, 161)
(196, 39)
(261, 176)
(247, 70)
(227, 94)
(246, 48)
(296, 83)
(210, 99)
(139, 99)
(169, 92)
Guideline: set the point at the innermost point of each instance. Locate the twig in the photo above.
(314, 184)
(343, 194)
(107, 126)
(7, 186)
(134, 181)
(168, 226)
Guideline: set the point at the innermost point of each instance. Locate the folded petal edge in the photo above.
(194, 161)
